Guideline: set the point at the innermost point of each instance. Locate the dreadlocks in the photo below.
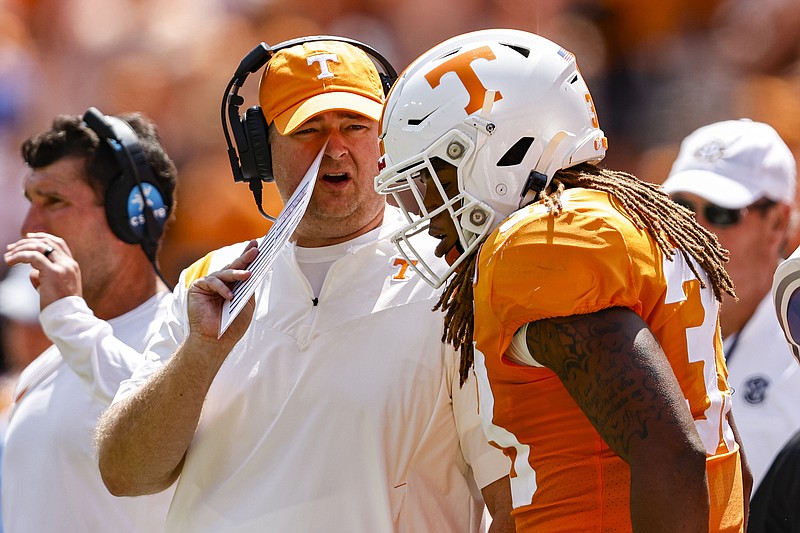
(672, 226)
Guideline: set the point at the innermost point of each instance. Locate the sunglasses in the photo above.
(723, 217)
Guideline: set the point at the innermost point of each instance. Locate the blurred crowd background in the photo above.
(657, 71)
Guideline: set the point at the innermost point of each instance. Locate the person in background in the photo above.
(100, 190)
(738, 177)
(786, 297)
(330, 403)
(595, 297)
(774, 507)
(21, 337)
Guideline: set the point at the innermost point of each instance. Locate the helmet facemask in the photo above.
(409, 183)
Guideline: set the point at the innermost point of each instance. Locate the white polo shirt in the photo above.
(51, 481)
(765, 378)
(346, 415)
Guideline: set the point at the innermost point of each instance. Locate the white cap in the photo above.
(733, 164)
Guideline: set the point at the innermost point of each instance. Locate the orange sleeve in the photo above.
(535, 268)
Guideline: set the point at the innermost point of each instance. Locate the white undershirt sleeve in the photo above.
(518, 350)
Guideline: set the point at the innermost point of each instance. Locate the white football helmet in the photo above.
(507, 108)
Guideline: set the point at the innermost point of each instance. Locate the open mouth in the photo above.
(335, 178)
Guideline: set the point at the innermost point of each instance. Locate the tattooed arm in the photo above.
(615, 370)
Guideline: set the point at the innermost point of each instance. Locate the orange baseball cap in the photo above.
(314, 77)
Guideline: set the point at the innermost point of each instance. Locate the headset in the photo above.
(250, 158)
(136, 206)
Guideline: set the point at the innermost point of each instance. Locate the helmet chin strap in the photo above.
(455, 252)
(547, 165)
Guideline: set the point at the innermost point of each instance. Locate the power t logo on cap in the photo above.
(323, 59)
(311, 78)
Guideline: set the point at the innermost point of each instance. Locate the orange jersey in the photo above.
(591, 257)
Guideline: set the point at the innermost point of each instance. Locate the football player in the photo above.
(595, 297)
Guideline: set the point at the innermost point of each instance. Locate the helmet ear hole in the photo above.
(516, 154)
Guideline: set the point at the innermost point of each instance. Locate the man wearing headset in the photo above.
(330, 404)
(100, 303)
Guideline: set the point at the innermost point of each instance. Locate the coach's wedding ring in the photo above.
(48, 251)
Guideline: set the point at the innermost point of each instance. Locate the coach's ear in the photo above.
(782, 222)
(783, 218)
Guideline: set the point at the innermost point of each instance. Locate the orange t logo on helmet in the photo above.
(461, 64)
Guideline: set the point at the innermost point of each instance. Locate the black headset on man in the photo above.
(137, 207)
(250, 158)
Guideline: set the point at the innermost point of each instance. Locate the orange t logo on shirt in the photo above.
(403, 267)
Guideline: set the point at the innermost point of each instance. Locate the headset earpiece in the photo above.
(258, 164)
(136, 207)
